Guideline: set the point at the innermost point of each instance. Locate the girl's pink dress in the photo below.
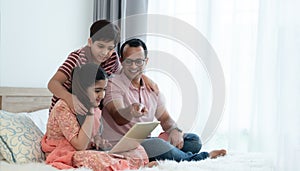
(62, 126)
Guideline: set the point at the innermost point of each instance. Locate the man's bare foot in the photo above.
(152, 164)
(216, 153)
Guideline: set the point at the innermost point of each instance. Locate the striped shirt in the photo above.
(80, 57)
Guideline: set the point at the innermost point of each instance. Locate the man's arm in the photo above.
(165, 119)
(170, 126)
(123, 114)
(115, 108)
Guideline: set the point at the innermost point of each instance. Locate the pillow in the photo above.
(40, 118)
(19, 138)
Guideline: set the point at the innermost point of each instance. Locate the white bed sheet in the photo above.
(4, 166)
(230, 162)
(233, 161)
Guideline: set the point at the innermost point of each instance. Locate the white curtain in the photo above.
(257, 42)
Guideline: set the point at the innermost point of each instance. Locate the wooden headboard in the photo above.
(14, 99)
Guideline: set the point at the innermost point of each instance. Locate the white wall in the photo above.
(37, 35)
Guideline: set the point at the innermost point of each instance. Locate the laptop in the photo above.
(132, 139)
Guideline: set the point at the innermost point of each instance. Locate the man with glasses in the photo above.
(127, 102)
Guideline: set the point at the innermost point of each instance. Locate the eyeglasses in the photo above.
(138, 62)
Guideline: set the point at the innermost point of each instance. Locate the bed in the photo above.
(23, 117)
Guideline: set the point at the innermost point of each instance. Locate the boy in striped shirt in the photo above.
(103, 39)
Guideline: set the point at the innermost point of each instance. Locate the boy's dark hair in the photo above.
(133, 43)
(105, 31)
(84, 77)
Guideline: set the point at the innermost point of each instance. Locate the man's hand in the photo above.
(76, 106)
(176, 138)
(138, 110)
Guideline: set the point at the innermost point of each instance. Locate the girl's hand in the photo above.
(101, 144)
(76, 106)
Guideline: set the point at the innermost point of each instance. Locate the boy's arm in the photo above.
(55, 85)
(150, 84)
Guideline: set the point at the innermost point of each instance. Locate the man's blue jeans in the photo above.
(159, 149)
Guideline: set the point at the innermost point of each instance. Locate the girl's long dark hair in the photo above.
(83, 77)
